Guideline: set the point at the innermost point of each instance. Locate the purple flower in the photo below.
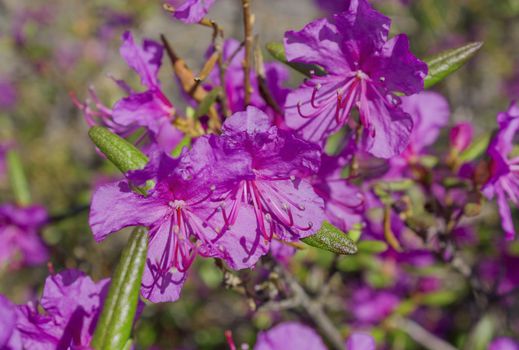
(227, 198)
(504, 168)
(503, 343)
(21, 244)
(360, 341)
(72, 303)
(372, 306)
(333, 6)
(8, 94)
(289, 336)
(344, 203)
(364, 70)
(461, 136)
(150, 109)
(9, 339)
(273, 169)
(190, 11)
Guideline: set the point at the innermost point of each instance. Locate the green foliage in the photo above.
(115, 323)
(332, 239)
(17, 178)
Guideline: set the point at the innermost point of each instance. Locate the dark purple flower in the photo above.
(333, 6)
(503, 343)
(190, 11)
(72, 303)
(360, 341)
(504, 169)
(288, 336)
(364, 71)
(19, 234)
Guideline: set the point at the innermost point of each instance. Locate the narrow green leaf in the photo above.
(277, 51)
(476, 149)
(207, 102)
(120, 152)
(115, 323)
(332, 239)
(371, 246)
(185, 142)
(17, 179)
(447, 62)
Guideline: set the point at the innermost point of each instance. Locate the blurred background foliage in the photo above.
(50, 49)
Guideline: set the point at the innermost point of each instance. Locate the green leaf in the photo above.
(440, 298)
(332, 239)
(277, 50)
(17, 178)
(115, 323)
(207, 102)
(120, 152)
(476, 149)
(372, 246)
(447, 62)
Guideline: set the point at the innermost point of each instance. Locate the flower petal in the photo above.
(115, 206)
(146, 61)
(191, 11)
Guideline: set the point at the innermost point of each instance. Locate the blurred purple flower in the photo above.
(9, 339)
(190, 11)
(370, 306)
(503, 343)
(504, 168)
(461, 136)
(364, 70)
(360, 341)
(19, 234)
(72, 303)
(8, 94)
(290, 336)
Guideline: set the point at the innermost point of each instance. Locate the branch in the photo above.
(421, 335)
(315, 310)
(247, 26)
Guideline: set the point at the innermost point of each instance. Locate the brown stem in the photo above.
(247, 26)
(421, 335)
(314, 310)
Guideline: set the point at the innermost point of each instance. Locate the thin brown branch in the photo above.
(247, 26)
(314, 310)
(421, 335)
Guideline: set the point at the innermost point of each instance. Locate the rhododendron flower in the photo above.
(19, 228)
(372, 306)
(179, 214)
(360, 341)
(364, 71)
(273, 169)
(289, 336)
(72, 303)
(190, 11)
(504, 169)
(150, 109)
(503, 343)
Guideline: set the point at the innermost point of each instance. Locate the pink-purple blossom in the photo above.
(19, 234)
(71, 302)
(364, 71)
(289, 336)
(504, 343)
(190, 11)
(504, 168)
